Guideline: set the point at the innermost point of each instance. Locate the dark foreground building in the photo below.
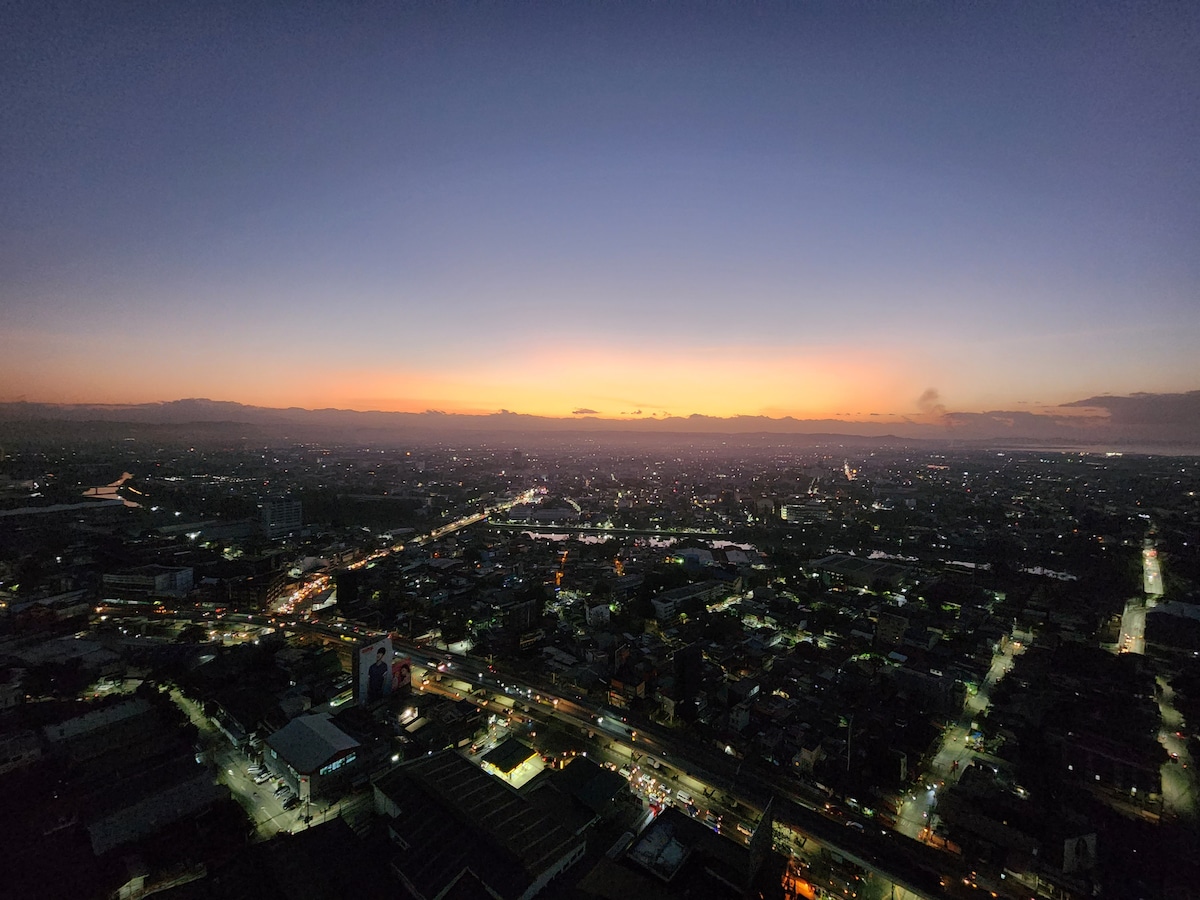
(453, 824)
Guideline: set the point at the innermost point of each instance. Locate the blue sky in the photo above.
(805, 209)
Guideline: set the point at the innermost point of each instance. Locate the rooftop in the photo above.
(507, 755)
(504, 820)
(308, 742)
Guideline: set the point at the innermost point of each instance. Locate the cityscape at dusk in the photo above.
(599, 450)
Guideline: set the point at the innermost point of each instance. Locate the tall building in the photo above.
(280, 516)
(889, 630)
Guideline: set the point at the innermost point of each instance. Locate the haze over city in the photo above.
(880, 214)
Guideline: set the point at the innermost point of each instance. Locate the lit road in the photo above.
(264, 809)
(918, 807)
(1133, 626)
(1133, 618)
(1152, 584)
(544, 528)
(1179, 774)
(319, 582)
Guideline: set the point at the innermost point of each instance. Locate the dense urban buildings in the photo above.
(752, 666)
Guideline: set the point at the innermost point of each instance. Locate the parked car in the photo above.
(291, 802)
(264, 777)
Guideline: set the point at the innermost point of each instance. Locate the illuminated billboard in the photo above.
(401, 674)
(380, 671)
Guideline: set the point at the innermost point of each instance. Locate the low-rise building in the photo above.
(153, 580)
(312, 755)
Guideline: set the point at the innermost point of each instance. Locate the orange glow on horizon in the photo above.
(548, 375)
(622, 384)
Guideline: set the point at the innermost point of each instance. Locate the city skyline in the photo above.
(845, 213)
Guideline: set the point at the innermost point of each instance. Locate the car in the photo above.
(291, 802)
(263, 778)
(281, 790)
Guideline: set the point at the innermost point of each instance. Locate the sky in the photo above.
(819, 210)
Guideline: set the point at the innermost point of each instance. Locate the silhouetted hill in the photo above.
(1149, 422)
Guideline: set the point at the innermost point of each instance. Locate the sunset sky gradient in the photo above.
(806, 209)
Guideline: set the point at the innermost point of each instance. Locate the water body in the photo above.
(109, 492)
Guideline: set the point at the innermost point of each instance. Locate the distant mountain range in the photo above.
(1151, 422)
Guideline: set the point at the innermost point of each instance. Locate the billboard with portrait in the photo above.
(380, 671)
(373, 670)
(401, 674)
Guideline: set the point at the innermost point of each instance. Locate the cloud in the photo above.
(1147, 409)
(582, 411)
(930, 403)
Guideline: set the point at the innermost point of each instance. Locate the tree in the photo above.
(190, 634)
(33, 570)
(722, 628)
